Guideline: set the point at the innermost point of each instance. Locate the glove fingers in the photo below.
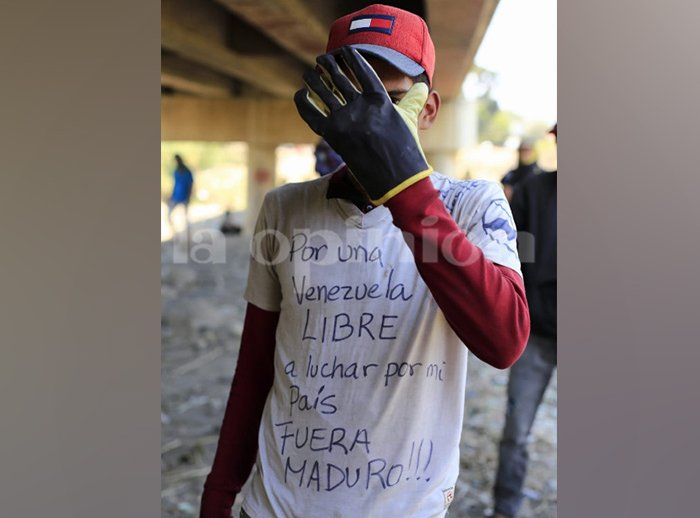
(316, 84)
(309, 111)
(410, 106)
(414, 100)
(362, 70)
(337, 77)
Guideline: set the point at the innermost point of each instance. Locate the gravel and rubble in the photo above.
(202, 310)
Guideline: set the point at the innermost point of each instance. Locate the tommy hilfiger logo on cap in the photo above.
(372, 23)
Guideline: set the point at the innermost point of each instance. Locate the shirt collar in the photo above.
(341, 186)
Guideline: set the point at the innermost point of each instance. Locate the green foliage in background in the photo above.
(497, 125)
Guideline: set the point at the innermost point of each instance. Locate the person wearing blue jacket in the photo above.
(182, 191)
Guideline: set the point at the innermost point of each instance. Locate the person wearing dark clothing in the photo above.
(327, 160)
(534, 207)
(527, 167)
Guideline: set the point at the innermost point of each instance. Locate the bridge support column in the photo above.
(455, 127)
(261, 178)
(445, 162)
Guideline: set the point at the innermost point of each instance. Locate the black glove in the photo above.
(377, 139)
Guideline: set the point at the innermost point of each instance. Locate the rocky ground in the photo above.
(202, 318)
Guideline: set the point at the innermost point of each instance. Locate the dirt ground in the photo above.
(202, 311)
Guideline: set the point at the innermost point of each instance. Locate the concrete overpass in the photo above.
(229, 69)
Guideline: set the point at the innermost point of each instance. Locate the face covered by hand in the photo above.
(377, 139)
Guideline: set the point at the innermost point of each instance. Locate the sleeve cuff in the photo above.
(411, 203)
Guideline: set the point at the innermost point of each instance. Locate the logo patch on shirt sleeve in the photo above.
(372, 23)
(448, 495)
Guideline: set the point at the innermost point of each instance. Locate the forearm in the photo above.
(484, 303)
(238, 439)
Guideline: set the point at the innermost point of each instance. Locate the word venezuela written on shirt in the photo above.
(324, 293)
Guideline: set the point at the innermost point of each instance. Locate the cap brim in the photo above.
(394, 58)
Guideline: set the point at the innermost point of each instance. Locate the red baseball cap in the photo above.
(398, 37)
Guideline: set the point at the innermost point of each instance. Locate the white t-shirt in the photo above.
(365, 413)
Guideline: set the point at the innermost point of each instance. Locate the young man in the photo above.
(364, 288)
(535, 211)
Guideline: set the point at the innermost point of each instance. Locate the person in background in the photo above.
(182, 191)
(526, 168)
(534, 207)
(350, 384)
(327, 160)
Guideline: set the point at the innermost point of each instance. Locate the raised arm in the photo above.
(483, 302)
